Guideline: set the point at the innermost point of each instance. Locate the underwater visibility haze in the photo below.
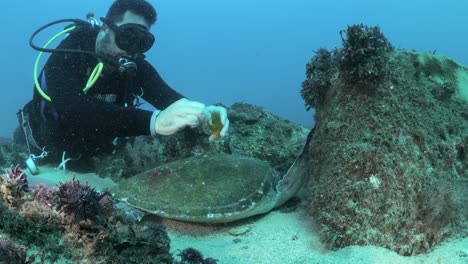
(232, 51)
(347, 143)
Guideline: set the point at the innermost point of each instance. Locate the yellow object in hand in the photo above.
(216, 125)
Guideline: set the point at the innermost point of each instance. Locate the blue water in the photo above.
(237, 50)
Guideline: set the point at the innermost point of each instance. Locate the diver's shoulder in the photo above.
(83, 36)
(85, 28)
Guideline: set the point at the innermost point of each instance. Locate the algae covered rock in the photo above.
(388, 161)
(47, 236)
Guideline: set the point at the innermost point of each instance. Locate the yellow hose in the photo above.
(92, 78)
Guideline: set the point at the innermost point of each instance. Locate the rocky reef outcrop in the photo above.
(388, 157)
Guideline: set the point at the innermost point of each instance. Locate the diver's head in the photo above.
(125, 31)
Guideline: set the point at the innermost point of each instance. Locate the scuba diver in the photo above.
(87, 93)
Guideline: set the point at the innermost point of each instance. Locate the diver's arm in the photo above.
(178, 112)
(155, 90)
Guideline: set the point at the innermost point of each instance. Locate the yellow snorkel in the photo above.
(94, 74)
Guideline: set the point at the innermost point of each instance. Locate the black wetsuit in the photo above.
(86, 123)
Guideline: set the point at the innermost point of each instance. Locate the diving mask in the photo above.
(133, 38)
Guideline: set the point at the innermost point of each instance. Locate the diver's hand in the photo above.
(207, 121)
(178, 115)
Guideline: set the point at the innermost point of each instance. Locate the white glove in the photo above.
(207, 121)
(177, 116)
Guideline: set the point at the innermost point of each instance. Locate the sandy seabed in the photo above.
(286, 238)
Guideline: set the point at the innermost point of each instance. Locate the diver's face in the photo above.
(105, 41)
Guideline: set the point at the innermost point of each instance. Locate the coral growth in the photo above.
(11, 253)
(73, 223)
(193, 256)
(365, 54)
(44, 195)
(31, 223)
(80, 201)
(319, 72)
(53, 237)
(13, 185)
(362, 61)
